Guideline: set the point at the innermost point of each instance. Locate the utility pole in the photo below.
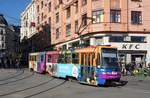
(80, 30)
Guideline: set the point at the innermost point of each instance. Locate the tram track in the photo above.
(28, 88)
(46, 90)
(41, 87)
(13, 75)
(16, 80)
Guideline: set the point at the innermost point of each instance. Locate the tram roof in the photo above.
(93, 48)
(35, 53)
(52, 52)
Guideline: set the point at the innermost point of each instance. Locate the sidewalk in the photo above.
(135, 79)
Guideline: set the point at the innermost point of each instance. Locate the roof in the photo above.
(3, 20)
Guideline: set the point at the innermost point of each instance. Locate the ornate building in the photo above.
(9, 39)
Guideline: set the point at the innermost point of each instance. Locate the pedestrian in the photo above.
(0, 63)
(18, 64)
(8, 63)
(5, 63)
(127, 69)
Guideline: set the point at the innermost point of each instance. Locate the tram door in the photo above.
(86, 68)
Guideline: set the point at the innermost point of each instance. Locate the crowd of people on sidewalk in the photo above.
(9, 63)
(132, 68)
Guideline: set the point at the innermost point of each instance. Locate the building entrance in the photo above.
(132, 58)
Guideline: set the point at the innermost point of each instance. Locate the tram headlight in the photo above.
(98, 66)
(104, 73)
(114, 73)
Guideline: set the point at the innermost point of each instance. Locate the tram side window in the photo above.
(49, 58)
(75, 58)
(98, 59)
(82, 59)
(87, 59)
(93, 56)
(30, 58)
(42, 57)
(68, 58)
(34, 58)
(61, 58)
(55, 58)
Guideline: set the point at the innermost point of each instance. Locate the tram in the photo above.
(33, 61)
(37, 62)
(51, 60)
(94, 65)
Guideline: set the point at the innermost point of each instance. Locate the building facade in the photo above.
(78, 23)
(28, 21)
(121, 23)
(9, 40)
(3, 25)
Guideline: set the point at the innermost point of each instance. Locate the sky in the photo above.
(11, 9)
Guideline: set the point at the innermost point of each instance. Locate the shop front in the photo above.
(132, 53)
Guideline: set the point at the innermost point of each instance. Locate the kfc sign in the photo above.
(130, 46)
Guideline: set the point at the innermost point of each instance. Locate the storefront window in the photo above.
(116, 39)
(134, 39)
(138, 39)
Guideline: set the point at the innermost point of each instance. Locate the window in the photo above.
(38, 9)
(49, 6)
(68, 12)
(57, 17)
(35, 58)
(84, 2)
(42, 58)
(98, 62)
(76, 26)
(127, 38)
(136, 17)
(115, 16)
(87, 59)
(57, 33)
(68, 58)
(98, 16)
(84, 20)
(82, 59)
(3, 45)
(38, 19)
(2, 38)
(42, 4)
(75, 58)
(42, 17)
(1, 32)
(49, 20)
(138, 39)
(49, 58)
(61, 58)
(116, 39)
(76, 7)
(68, 30)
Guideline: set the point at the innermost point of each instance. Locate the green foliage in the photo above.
(142, 72)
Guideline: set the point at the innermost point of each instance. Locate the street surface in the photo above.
(25, 84)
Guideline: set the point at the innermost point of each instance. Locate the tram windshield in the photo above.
(109, 58)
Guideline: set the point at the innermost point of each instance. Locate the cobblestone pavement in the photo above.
(24, 84)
